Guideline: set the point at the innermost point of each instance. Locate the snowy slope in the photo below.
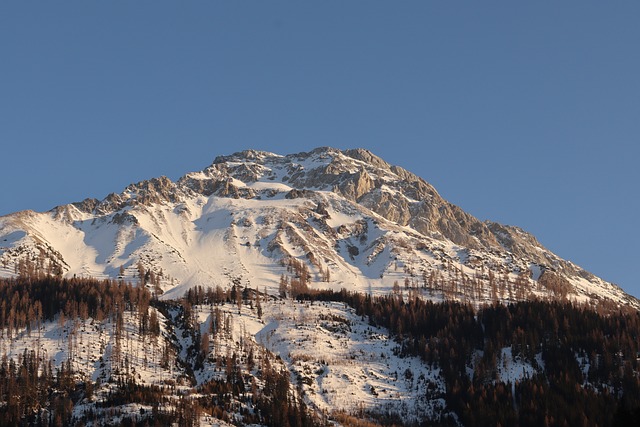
(342, 363)
(354, 220)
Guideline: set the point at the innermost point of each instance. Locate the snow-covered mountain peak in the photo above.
(253, 217)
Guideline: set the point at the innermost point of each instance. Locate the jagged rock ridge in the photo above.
(353, 219)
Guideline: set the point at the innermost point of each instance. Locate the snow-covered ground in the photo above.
(339, 360)
(342, 362)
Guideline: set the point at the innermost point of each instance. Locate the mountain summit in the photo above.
(328, 218)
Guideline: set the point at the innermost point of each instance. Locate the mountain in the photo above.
(350, 218)
(326, 288)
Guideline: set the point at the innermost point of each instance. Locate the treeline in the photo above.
(602, 389)
(25, 302)
(255, 386)
(273, 404)
(33, 392)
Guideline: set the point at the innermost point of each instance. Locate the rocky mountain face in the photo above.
(349, 217)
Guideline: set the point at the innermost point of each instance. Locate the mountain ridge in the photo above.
(347, 212)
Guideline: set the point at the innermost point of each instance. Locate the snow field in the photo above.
(89, 346)
(343, 363)
(340, 361)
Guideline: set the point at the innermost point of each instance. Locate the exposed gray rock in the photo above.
(124, 218)
(87, 205)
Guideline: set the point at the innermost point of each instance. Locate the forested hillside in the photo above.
(90, 352)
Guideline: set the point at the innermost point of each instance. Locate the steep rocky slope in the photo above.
(350, 218)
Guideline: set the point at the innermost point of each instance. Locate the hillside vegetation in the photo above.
(105, 352)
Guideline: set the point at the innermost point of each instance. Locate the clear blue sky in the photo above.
(526, 113)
